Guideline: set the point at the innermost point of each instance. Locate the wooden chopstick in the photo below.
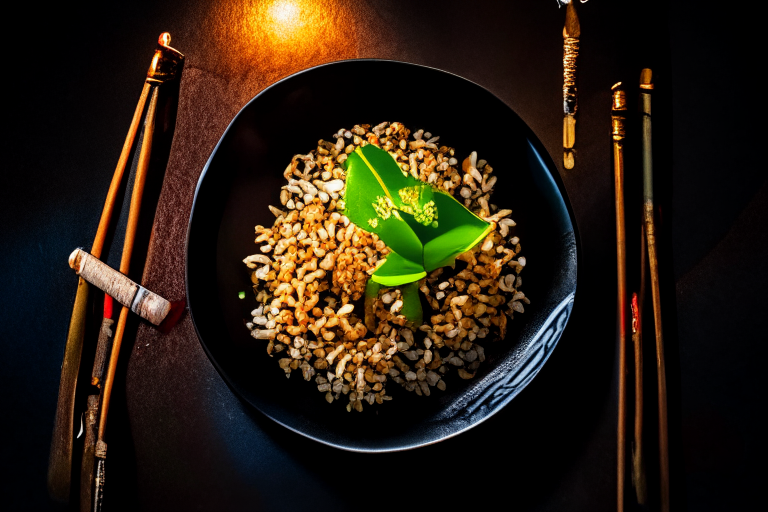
(125, 262)
(646, 86)
(130, 237)
(619, 106)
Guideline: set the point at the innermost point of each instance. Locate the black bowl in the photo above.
(244, 175)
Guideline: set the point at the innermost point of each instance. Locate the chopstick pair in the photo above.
(103, 376)
(165, 65)
(648, 247)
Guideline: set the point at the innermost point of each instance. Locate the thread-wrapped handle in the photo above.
(98, 495)
(148, 305)
(570, 95)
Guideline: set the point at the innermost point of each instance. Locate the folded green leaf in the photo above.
(425, 228)
(398, 270)
(458, 230)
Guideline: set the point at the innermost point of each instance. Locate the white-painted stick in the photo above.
(148, 305)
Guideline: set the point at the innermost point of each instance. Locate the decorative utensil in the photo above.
(571, 34)
(619, 107)
(646, 86)
(148, 305)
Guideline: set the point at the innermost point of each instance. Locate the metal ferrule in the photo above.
(619, 100)
(617, 128)
(166, 62)
(618, 107)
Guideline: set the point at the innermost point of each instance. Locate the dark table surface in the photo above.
(181, 440)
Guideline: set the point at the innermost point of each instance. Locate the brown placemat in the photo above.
(226, 66)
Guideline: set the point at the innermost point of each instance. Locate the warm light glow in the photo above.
(285, 19)
(280, 37)
(285, 12)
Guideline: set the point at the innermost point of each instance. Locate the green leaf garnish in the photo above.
(424, 228)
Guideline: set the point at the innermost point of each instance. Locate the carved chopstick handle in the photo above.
(98, 484)
(146, 304)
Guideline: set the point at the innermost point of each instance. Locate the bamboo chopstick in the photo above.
(646, 86)
(619, 106)
(130, 237)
